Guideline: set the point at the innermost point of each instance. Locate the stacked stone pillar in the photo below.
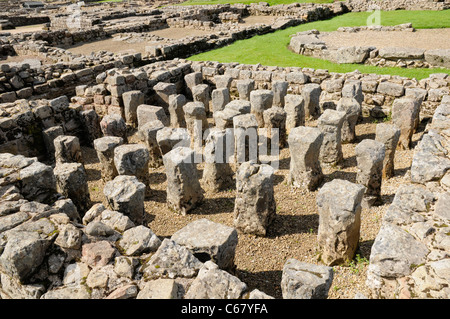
(104, 147)
(339, 206)
(255, 206)
(389, 135)
(330, 124)
(304, 147)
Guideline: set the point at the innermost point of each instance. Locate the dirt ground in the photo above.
(26, 28)
(293, 234)
(422, 38)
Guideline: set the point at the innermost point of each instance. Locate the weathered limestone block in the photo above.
(91, 124)
(192, 79)
(49, 136)
(126, 194)
(223, 81)
(132, 159)
(219, 98)
(405, 112)
(244, 88)
(200, 93)
(138, 240)
(176, 103)
(394, 254)
(172, 260)
(104, 147)
(169, 138)
(389, 135)
(260, 101)
(38, 182)
(217, 174)
(162, 288)
(131, 101)
(305, 281)
(183, 187)
(330, 124)
(352, 109)
(114, 125)
(391, 89)
(353, 89)
(294, 105)
(196, 122)
(163, 91)
(214, 283)
(245, 130)
(370, 157)
(224, 119)
(304, 147)
(311, 95)
(279, 89)
(71, 181)
(275, 124)
(147, 113)
(23, 254)
(67, 149)
(148, 133)
(255, 207)
(339, 205)
(209, 241)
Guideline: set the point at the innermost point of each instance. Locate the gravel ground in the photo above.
(422, 38)
(260, 260)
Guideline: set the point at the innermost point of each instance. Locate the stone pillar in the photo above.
(147, 113)
(279, 89)
(311, 95)
(370, 156)
(245, 128)
(71, 181)
(275, 124)
(91, 125)
(200, 93)
(49, 136)
(223, 81)
(131, 101)
(219, 98)
(114, 125)
(304, 146)
(132, 159)
(163, 91)
(104, 147)
(294, 105)
(224, 119)
(126, 194)
(244, 88)
(405, 112)
(330, 124)
(67, 149)
(183, 187)
(192, 79)
(255, 207)
(176, 103)
(389, 135)
(353, 89)
(339, 206)
(352, 110)
(169, 138)
(196, 122)
(147, 133)
(217, 174)
(260, 101)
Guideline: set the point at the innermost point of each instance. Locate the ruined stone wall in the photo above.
(364, 5)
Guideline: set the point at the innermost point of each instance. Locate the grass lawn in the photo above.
(271, 49)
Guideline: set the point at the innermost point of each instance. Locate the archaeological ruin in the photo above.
(130, 171)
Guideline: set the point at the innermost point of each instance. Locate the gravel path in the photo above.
(422, 38)
(293, 234)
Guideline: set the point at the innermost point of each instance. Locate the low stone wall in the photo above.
(308, 43)
(409, 258)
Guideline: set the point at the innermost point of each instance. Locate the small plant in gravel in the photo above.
(357, 264)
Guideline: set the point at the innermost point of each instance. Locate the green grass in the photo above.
(270, 2)
(271, 49)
